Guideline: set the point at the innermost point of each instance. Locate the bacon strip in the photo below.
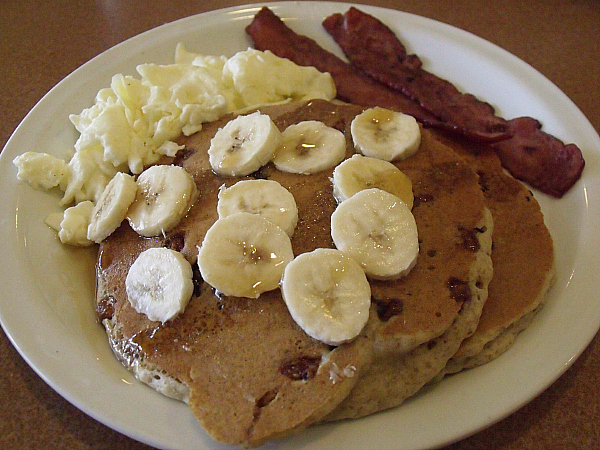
(530, 154)
(373, 48)
(539, 158)
(269, 32)
(526, 151)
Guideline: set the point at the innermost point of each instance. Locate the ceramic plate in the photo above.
(46, 297)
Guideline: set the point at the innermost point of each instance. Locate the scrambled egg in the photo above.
(135, 121)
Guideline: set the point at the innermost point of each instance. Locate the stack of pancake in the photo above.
(250, 374)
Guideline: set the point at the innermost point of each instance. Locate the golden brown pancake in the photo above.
(248, 372)
(523, 258)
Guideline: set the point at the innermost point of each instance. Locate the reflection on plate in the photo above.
(46, 300)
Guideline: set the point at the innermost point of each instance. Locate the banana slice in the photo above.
(266, 198)
(378, 230)
(111, 208)
(244, 255)
(363, 172)
(244, 145)
(385, 134)
(327, 294)
(309, 147)
(164, 195)
(159, 284)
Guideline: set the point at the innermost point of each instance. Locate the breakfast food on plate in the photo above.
(276, 259)
(309, 147)
(524, 149)
(134, 122)
(520, 145)
(327, 279)
(383, 57)
(253, 368)
(362, 172)
(159, 284)
(112, 206)
(523, 258)
(380, 67)
(263, 197)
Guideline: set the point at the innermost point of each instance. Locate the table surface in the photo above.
(42, 41)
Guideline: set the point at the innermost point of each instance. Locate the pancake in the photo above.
(248, 372)
(392, 378)
(523, 258)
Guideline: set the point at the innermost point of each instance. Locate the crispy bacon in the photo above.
(529, 153)
(526, 151)
(373, 48)
(270, 33)
(539, 158)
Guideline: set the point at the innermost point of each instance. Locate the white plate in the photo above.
(46, 297)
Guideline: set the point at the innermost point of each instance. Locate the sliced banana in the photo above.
(309, 147)
(363, 172)
(164, 196)
(244, 145)
(244, 255)
(266, 198)
(159, 284)
(111, 208)
(378, 230)
(385, 134)
(327, 294)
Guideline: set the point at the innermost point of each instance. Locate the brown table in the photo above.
(42, 41)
